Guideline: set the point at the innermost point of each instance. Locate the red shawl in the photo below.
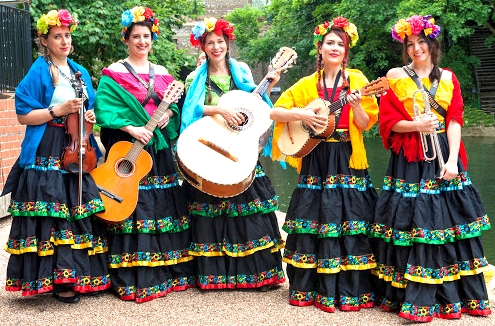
(392, 111)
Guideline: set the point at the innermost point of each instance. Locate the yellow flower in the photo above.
(323, 30)
(154, 28)
(52, 18)
(351, 30)
(210, 23)
(138, 13)
(403, 28)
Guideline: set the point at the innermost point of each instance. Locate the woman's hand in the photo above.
(314, 121)
(232, 117)
(139, 133)
(164, 120)
(354, 99)
(449, 171)
(427, 123)
(68, 107)
(90, 117)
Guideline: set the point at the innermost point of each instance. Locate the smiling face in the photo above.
(216, 47)
(333, 49)
(418, 49)
(59, 41)
(139, 41)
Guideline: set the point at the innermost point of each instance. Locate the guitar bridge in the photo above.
(110, 194)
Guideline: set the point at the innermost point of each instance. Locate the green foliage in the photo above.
(97, 40)
(474, 117)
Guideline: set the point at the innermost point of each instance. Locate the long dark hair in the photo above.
(435, 53)
(227, 62)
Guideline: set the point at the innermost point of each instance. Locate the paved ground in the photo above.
(191, 307)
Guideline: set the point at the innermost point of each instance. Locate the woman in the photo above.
(148, 250)
(327, 253)
(429, 216)
(236, 240)
(56, 243)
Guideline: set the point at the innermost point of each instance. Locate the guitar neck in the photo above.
(338, 104)
(137, 147)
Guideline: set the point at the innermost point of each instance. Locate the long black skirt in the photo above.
(426, 232)
(237, 240)
(53, 240)
(149, 250)
(328, 254)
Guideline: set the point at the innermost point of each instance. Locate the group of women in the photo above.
(415, 248)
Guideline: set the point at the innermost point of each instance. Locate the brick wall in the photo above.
(11, 135)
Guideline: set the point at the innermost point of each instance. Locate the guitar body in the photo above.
(220, 159)
(118, 181)
(297, 140)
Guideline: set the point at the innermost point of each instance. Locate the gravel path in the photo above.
(191, 307)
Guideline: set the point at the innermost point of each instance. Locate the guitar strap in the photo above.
(343, 93)
(431, 93)
(149, 86)
(214, 87)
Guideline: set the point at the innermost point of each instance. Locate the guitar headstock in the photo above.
(375, 87)
(173, 92)
(283, 59)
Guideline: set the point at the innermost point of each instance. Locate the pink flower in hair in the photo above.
(417, 24)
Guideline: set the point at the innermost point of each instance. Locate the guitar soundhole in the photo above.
(124, 167)
(246, 124)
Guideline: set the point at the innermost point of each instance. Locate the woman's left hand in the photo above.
(449, 171)
(164, 120)
(89, 116)
(274, 76)
(354, 99)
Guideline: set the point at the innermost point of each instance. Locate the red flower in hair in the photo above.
(223, 26)
(340, 22)
(148, 13)
(193, 41)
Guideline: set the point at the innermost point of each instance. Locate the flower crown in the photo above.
(337, 23)
(57, 18)
(414, 25)
(140, 14)
(209, 25)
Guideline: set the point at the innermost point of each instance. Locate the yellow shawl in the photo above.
(303, 92)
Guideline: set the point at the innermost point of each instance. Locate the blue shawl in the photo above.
(34, 92)
(195, 96)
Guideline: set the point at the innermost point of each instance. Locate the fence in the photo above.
(16, 54)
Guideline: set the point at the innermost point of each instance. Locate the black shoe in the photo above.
(265, 288)
(71, 299)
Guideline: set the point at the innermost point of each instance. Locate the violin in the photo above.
(79, 155)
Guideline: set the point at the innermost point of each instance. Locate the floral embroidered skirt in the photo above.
(427, 242)
(149, 250)
(53, 241)
(236, 240)
(328, 254)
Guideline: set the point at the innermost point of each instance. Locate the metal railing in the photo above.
(16, 53)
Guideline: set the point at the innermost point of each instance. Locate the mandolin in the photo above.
(118, 178)
(220, 159)
(298, 140)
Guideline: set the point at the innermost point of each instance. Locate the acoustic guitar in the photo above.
(118, 178)
(298, 140)
(219, 158)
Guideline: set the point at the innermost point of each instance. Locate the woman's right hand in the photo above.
(313, 120)
(427, 123)
(231, 117)
(139, 133)
(68, 107)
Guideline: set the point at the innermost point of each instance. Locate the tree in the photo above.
(97, 40)
(291, 23)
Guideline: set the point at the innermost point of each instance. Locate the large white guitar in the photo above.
(220, 159)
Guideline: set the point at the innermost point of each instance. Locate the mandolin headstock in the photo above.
(284, 59)
(376, 87)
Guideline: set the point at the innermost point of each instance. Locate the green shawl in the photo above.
(116, 108)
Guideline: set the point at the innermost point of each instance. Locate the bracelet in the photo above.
(50, 109)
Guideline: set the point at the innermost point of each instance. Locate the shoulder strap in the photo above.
(150, 87)
(216, 88)
(431, 93)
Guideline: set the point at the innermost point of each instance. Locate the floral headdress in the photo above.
(57, 18)
(414, 25)
(209, 25)
(140, 14)
(337, 23)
